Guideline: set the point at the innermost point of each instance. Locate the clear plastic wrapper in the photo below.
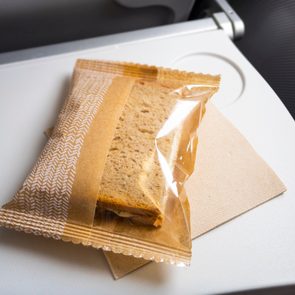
(112, 173)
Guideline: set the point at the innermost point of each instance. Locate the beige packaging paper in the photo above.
(230, 179)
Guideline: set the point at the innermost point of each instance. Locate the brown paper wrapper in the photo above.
(230, 179)
(59, 197)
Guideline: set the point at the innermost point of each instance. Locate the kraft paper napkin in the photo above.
(230, 179)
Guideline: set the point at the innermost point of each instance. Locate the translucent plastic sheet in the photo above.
(112, 173)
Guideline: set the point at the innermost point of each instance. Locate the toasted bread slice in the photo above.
(133, 183)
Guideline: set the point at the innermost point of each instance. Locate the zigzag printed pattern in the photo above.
(46, 191)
